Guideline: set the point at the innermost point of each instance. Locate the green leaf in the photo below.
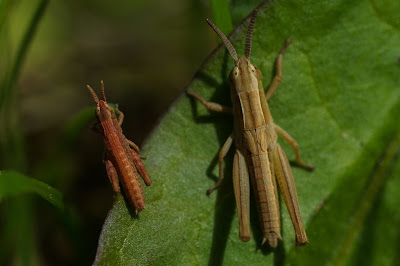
(375, 222)
(221, 15)
(340, 99)
(13, 184)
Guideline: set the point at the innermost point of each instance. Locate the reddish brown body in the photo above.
(122, 162)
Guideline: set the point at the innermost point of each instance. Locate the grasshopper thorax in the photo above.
(104, 111)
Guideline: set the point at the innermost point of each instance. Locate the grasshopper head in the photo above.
(101, 104)
(244, 76)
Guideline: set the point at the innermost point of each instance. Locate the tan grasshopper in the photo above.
(120, 156)
(258, 155)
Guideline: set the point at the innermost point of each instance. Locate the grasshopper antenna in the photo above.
(225, 40)
(103, 96)
(247, 46)
(96, 99)
(287, 42)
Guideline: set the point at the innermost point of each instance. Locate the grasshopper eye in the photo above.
(234, 73)
(258, 73)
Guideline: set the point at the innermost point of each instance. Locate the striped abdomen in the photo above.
(128, 176)
(255, 139)
(263, 184)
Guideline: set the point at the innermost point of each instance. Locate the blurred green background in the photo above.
(145, 51)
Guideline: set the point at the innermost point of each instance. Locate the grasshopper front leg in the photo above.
(210, 105)
(278, 77)
(217, 108)
(120, 115)
(285, 179)
(120, 120)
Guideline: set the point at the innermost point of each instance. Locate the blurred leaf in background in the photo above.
(18, 240)
(13, 184)
(340, 99)
(221, 15)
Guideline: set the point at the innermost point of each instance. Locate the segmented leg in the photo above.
(241, 187)
(222, 154)
(292, 142)
(271, 164)
(140, 167)
(278, 77)
(112, 173)
(120, 120)
(210, 105)
(133, 145)
(120, 115)
(285, 179)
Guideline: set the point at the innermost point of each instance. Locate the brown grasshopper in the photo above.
(120, 160)
(258, 156)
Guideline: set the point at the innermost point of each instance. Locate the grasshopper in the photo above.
(258, 159)
(121, 155)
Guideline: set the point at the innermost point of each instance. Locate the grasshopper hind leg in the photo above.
(111, 172)
(138, 163)
(285, 179)
(242, 195)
